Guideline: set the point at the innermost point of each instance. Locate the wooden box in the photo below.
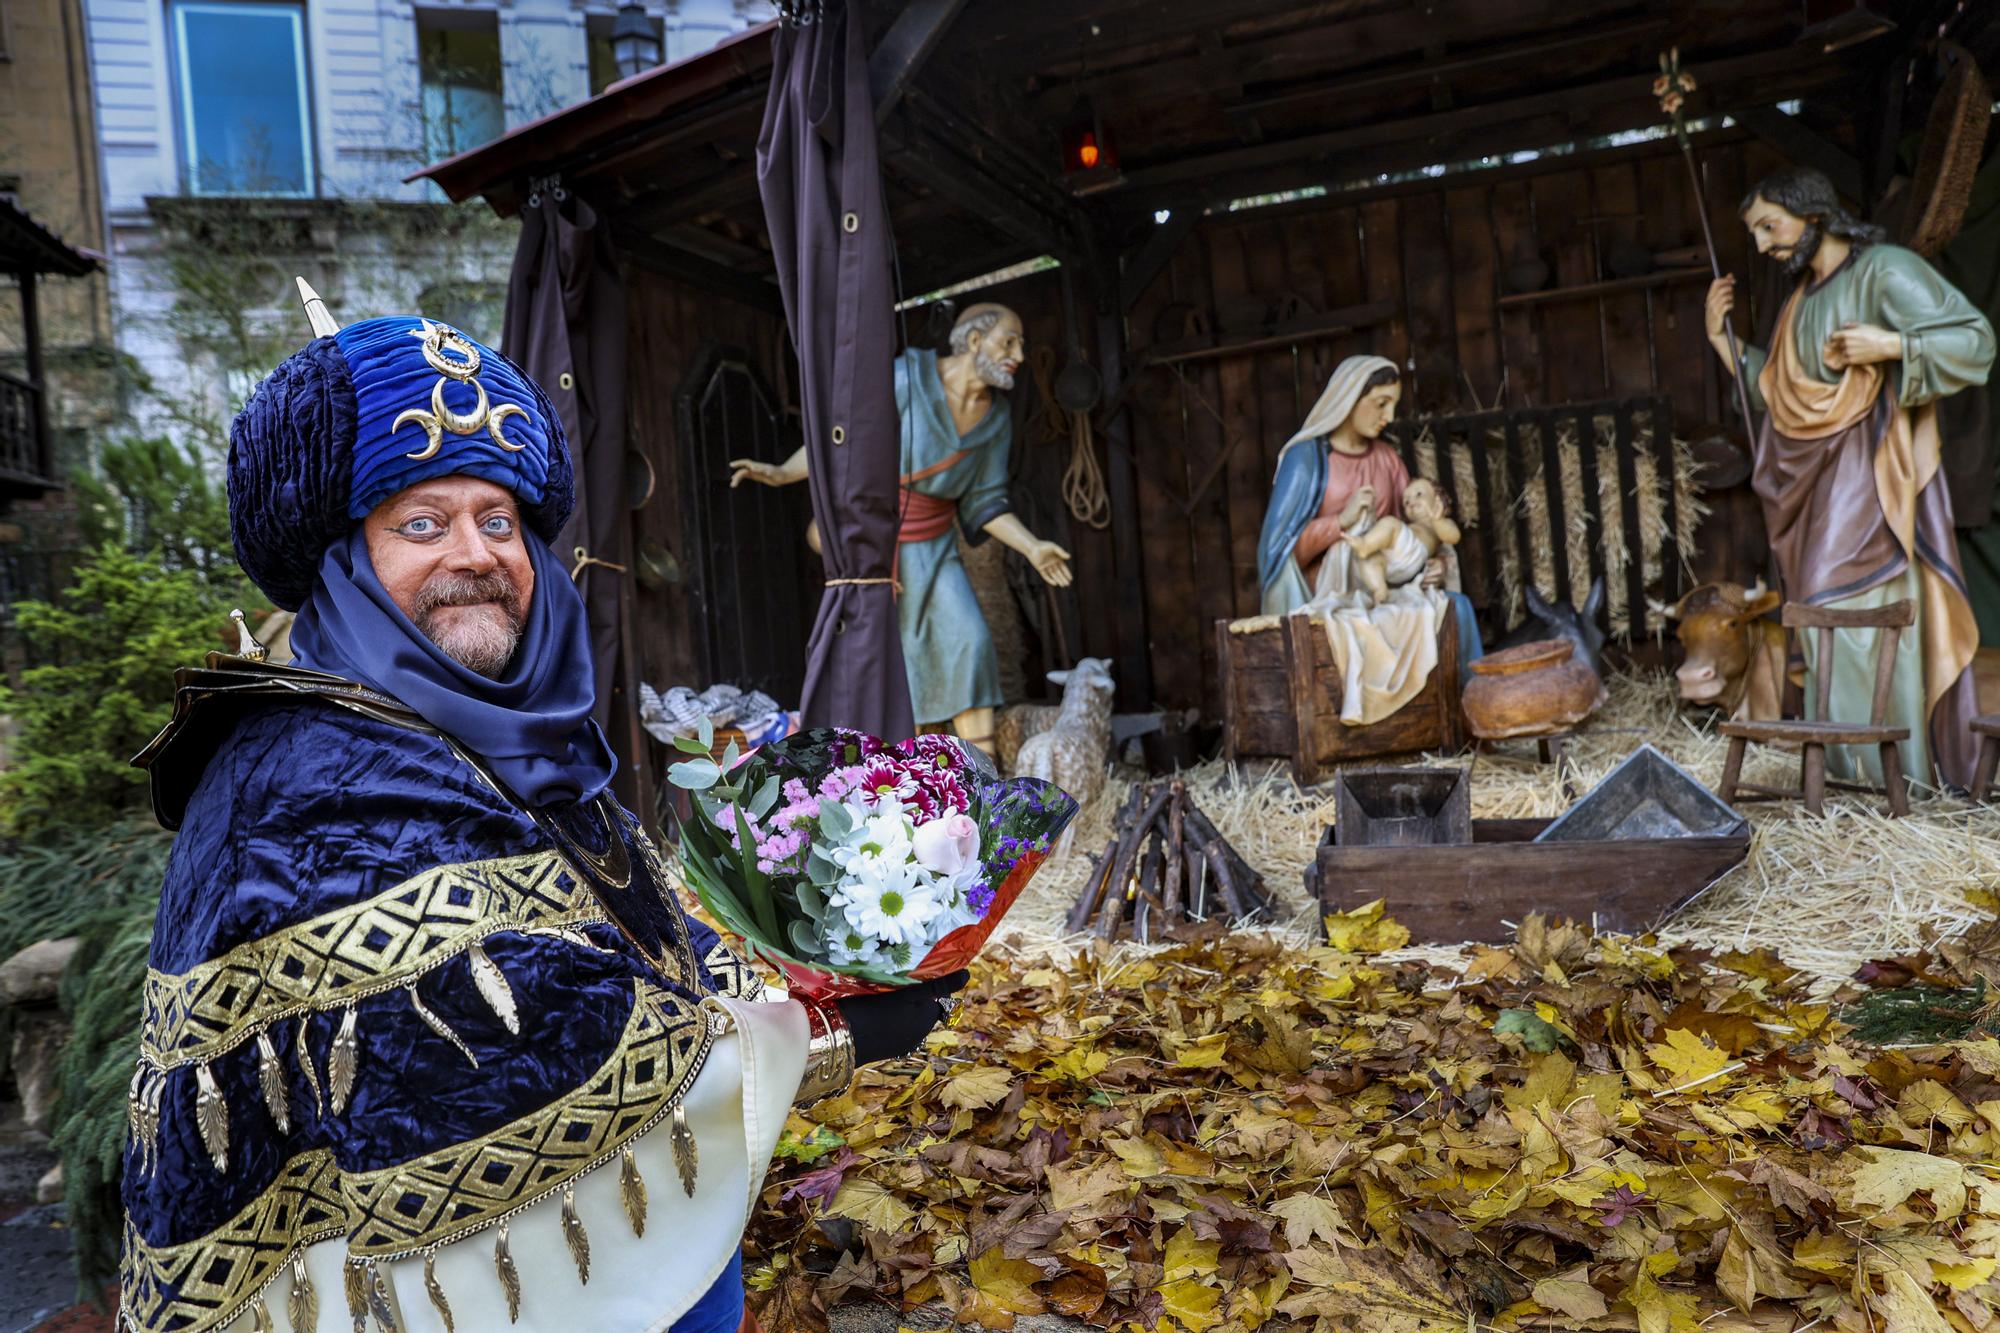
(1402, 807)
(1452, 895)
(1281, 700)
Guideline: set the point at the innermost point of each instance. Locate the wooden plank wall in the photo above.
(669, 323)
(1444, 252)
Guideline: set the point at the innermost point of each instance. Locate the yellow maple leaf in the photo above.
(1191, 1305)
(1690, 1060)
(871, 1205)
(1204, 1052)
(1308, 1216)
(1142, 1160)
(1190, 1256)
(1887, 1177)
(1663, 1311)
(1007, 1283)
(1080, 1063)
(977, 1088)
(1964, 1277)
(1365, 930)
(1571, 1294)
(1906, 1307)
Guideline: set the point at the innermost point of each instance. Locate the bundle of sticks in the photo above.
(1165, 865)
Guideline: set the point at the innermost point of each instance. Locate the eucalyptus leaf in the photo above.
(809, 899)
(835, 819)
(706, 731)
(729, 755)
(821, 871)
(803, 939)
(689, 745)
(694, 774)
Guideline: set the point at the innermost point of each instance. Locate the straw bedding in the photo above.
(1827, 895)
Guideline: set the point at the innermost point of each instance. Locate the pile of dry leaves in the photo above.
(1580, 1133)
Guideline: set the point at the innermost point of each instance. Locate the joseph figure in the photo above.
(957, 433)
(1847, 459)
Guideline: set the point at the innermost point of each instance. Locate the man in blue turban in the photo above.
(427, 1039)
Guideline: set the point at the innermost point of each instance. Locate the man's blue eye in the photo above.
(421, 527)
(500, 526)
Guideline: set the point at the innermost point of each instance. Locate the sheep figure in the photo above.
(1074, 753)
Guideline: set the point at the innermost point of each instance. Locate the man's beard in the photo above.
(992, 371)
(1803, 250)
(479, 643)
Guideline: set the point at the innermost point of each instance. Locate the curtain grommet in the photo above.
(850, 223)
(839, 434)
(839, 627)
(565, 381)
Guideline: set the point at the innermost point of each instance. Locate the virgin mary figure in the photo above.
(1301, 558)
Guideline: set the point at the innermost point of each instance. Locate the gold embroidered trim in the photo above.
(733, 976)
(355, 951)
(445, 1196)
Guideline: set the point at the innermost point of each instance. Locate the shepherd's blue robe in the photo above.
(947, 648)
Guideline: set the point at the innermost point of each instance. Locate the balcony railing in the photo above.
(24, 447)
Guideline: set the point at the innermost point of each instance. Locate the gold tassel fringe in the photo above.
(685, 1157)
(510, 1276)
(340, 1063)
(632, 1190)
(271, 1079)
(436, 1290)
(573, 1232)
(211, 1114)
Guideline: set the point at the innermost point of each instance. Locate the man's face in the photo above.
(1781, 234)
(1377, 408)
(450, 553)
(998, 352)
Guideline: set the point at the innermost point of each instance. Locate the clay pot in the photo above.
(1537, 689)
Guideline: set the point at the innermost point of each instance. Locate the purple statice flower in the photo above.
(795, 792)
(783, 853)
(979, 897)
(836, 785)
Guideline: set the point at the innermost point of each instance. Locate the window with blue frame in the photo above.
(240, 76)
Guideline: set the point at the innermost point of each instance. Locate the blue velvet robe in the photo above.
(328, 863)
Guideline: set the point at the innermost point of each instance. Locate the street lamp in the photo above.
(634, 44)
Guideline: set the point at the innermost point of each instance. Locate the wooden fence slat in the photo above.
(1552, 495)
(1585, 425)
(1628, 506)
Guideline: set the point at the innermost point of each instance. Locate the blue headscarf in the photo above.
(532, 726)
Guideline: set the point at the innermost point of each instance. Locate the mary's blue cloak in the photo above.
(1295, 502)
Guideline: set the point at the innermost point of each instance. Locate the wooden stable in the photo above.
(1282, 700)
(1473, 188)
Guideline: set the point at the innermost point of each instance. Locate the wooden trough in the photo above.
(1281, 700)
(1591, 868)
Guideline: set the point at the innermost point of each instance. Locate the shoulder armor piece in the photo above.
(210, 699)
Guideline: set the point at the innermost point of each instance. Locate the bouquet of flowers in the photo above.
(856, 866)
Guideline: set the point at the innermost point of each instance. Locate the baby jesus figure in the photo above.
(1390, 552)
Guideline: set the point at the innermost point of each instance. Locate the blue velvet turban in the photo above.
(351, 419)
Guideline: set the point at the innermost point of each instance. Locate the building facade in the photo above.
(49, 170)
(245, 140)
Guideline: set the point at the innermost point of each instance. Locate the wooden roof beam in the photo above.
(910, 152)
(1748, 77)
(1796, 141)
(905, 48)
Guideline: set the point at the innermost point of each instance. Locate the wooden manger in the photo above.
(1642, 844)
(1282, 698)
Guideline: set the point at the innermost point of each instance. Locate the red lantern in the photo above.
(1087, 146)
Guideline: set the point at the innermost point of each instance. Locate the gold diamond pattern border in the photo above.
(430, 1200)
(354, 951)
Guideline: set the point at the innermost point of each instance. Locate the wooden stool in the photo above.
(1987, 728)
(1814, 734)
(1550, 749)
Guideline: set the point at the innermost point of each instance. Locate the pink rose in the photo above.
(946, 846)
